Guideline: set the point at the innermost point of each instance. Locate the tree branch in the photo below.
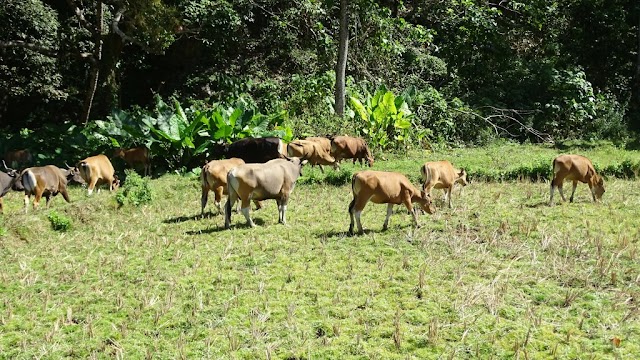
(44, 50)
(126, 38)
(79, 13)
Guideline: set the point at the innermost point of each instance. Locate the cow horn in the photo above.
(5, 165)
(67, 165)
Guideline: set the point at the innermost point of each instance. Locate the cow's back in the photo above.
(324, 142)
(96, 166)
(573, 167)
(438, 173)
(49, 177)
(256, 150)
(215, 172)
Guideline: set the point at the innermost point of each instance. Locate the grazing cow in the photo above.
(346, 147)
(7, 181)
(18, 158)
(256, 150)
(576, 168)
(311, 151)
(324, 142)
(214, 177)
(44, 181)
(97, 170)
(272, 180)
(138, 156)
(382, 187)
(442, 175)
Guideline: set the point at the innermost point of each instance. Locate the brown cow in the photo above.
(442, 175)
(138, 156)
(382, 187)
(45, 181)
(325, 143)
(311, 151)
(346, 147)
(214, 177)
(274, 179)
(18, 158)
(576, 168)
(97, 170)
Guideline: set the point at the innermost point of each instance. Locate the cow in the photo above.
(256, 150)
(383, 187)
(311, 151)
(346, 147)
(7, 181)
(442, 175)
(272, 180)
(45, 181)
(324, 142)
(576, 168)
(214, 177)
(134, 157)
(97, 170)
(18, 158)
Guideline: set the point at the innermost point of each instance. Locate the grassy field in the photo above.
(501, 275)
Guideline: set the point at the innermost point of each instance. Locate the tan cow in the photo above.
(311, 151)
(382, 187)
(18, 158)
(346, 147)
(97, 170)
(274, 179)
(442, 175)
(214, 178)
(45, 181)
(138, 156)
(325, 143)
(575, 168)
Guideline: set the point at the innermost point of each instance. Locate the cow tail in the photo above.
(203, 175)
(426, 176)
(353, 191)
(29, 181)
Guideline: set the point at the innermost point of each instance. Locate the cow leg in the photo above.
(1, 209)
(26, 203)
(218, 197)
(386, 220)
(92, 185)
(36, 200)
(65, 195)
(561, 192)
(448, 194)
(321, 169)
(204, 198)
(406, 200)
(351, 206)
(246, 207)
(573, 191)
(47, 198)
(231, 200)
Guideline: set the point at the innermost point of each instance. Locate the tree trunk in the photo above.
(341, 66)
(95, 64)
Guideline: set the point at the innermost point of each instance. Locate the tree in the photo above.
(341, 65)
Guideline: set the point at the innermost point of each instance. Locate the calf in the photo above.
(256, 150)
(324, 142)
(442, 175)
(382, 187)
(97, 170)
(272, 180)
(311, 151)
(18, 158)
(7, 181)
(45, 181)
(214, 177)
(576, 168)
(135, 157)
(346, 147)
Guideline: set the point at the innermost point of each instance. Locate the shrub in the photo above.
(59, 222)
(135, 190)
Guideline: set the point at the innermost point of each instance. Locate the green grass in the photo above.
(501, 275)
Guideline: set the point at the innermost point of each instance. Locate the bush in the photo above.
(59, 222)
(135, 191)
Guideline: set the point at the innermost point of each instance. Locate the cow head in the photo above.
(11, 172)
(118, 153)
(73, 175)
(299, 162)
(369, 158)
(425, 203)
(596, 182)
(462, 177)
(115, 183)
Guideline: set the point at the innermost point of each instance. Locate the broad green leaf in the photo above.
(362, 111)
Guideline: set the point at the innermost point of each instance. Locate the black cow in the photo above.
(7, 180)
(257, 150)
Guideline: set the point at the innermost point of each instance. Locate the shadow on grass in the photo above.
(198, 216)
(538, 204)
(239, 225)
(345, 233)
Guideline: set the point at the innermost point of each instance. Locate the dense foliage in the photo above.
(530, 70)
